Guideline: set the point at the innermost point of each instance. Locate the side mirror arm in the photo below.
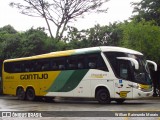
(136, 64)
(153, 63)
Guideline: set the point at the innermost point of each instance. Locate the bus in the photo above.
(105, 73)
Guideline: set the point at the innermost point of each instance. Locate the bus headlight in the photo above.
(145, 87)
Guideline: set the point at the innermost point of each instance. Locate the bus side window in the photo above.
(124, 72)
(80, 65)
(95, 61)
(37, 66)
(8, 67)
(54, 65)
(17, 67)
(81, 62)
(58, 64)
(72, 63)
(92, 65)
(92, 61)
(61, 67)
(61, 63)
(29, 66)
(45, 65)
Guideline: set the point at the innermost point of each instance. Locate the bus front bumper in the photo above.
(142, 94)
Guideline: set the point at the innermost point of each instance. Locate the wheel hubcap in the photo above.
(103, 96)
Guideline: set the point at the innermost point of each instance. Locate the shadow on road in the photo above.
(83, 101)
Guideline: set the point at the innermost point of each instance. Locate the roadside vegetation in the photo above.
(141, 32)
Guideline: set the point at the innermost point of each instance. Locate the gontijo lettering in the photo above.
(33, 76)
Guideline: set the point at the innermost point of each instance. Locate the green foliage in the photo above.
(96, 36)
(10, 46)
(142, 36)
(148, 10)
(7, 29)
(33, 40)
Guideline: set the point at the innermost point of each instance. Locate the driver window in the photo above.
(124, 72)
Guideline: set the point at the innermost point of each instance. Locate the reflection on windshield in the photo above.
(142, 74)
(124, 69)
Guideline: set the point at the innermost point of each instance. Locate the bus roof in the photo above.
(78, 51)
(119, 49)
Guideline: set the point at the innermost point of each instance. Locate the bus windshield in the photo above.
(124, 69)
(141, 75)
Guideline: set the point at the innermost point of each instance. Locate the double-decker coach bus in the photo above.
(105, 73)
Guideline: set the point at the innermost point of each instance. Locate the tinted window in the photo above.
(95, 61)
(59, 63)
(8, 67)
(81, 62)
(90, 61)
(72, 63)
(121, 68)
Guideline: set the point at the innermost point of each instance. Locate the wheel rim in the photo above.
(30, 94)
(103, 96)
(21, 94)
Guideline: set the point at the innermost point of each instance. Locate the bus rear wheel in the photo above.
(30, 94)
(103, 96)
(21, 94)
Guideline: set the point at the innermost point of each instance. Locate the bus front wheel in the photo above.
(21, 94)
(30, 94)
(103, 96)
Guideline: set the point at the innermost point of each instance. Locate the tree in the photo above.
(32, 42)
(147, 10)
(96, 36)
(142, 36)
(10, 46)
(58, 12)
(9, 42)
(7, 29)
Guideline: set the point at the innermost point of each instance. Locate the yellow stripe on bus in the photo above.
(48, 55)
(34, 79)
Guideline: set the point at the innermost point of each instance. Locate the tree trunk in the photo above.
(50, 31)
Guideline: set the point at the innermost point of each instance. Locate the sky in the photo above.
(119, 10)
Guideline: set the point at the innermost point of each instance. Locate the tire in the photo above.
(21, 94)
(120, 101)
(103, 96)
(30, 94)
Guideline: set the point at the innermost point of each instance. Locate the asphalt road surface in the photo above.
(73, 109)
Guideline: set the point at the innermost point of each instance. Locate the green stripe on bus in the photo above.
(67, 80)
(60, 81)
(74, 80)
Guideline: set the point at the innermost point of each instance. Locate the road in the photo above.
(10, 103)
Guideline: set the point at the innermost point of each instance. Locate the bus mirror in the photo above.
(153, 63)
(132, 60)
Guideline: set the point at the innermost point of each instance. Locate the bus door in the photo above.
(123, 85)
